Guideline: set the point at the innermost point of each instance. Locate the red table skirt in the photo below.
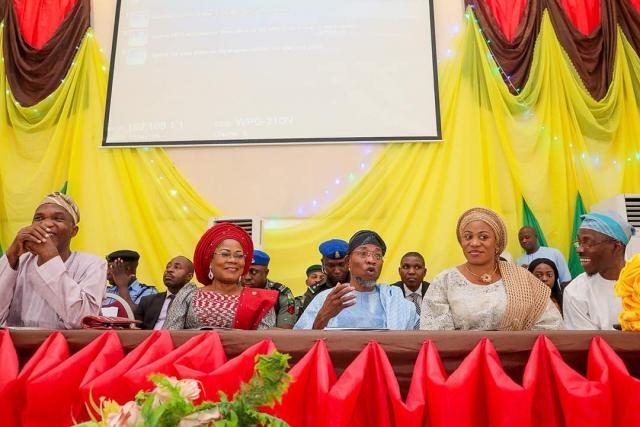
(564, 378)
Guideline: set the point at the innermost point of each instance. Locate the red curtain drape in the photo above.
(305, 403)
(8, 375)
(40, 19)
(584, 14)
(56, 393)
(53, 386)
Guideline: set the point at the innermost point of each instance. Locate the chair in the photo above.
(124, 309)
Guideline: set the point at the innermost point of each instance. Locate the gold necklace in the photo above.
(484, 278)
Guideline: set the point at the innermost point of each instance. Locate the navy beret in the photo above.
(334, 248)
(260, 258)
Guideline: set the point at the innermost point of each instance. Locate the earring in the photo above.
(210, 275)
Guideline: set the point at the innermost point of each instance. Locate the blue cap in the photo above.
(260, 258)
(334, 248)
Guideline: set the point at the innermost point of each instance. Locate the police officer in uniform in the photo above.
(287, 310)
(121, 275)
(333, 254)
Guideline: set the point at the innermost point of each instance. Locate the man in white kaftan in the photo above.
(42, 282)
(589, 302)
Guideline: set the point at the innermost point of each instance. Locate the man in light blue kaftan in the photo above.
(363, 303)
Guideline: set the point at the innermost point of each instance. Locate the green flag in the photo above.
(528, 218)
(574, 260)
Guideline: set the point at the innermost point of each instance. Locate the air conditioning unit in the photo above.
(253, 226)
(628, 207)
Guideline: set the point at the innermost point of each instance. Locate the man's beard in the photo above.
(367, 284)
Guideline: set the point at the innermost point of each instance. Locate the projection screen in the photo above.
(189, 72)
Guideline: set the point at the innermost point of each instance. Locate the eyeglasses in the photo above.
(588, 244)
(227, 255)
(365, 254)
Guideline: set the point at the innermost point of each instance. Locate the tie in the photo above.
(170, 298)
(414, 300)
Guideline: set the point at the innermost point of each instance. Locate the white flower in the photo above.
(189, 389)
(201, 418)
(161, 394)
(129, 415)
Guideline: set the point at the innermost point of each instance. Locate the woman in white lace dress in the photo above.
(485, 293)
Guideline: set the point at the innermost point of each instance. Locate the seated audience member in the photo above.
(152, 310)
(286, 307)
(314, 275)
(547, 272)
(412, 271)
(485, 293)
(361, 303)
(221, 258)
(590, 301)
(43, 283)
(529, 242)
(334, 266)
(121, 275)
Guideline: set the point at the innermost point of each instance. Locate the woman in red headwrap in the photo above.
(222, 256)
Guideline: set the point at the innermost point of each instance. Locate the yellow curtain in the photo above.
(544, 145)
(128, 198)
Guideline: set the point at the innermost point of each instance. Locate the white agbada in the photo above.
(590, 303)
(54, 295)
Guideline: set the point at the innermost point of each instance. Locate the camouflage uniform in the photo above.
(314, 290)
(287, 311)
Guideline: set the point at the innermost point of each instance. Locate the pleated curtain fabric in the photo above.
(55, 386)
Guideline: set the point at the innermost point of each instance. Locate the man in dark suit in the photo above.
(152, 309)
(412, 271)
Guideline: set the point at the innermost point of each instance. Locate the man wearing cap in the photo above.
(43, 283)
(361, 303)
(152, 309)
(589, 302)
(121, 275)
(334, 266)
(286, 307)
(314, 275)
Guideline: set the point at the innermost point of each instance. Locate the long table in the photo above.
(401, 347)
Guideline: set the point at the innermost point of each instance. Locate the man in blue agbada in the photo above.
(361, 303)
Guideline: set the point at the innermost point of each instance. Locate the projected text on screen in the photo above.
(272, 71)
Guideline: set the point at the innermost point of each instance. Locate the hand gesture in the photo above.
(34, 238)
(121, 277)
(338, 299)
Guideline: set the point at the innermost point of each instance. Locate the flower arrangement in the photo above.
(171, 403)
(628, 288)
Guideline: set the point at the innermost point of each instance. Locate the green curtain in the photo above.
(574, 260)
(528, 218)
